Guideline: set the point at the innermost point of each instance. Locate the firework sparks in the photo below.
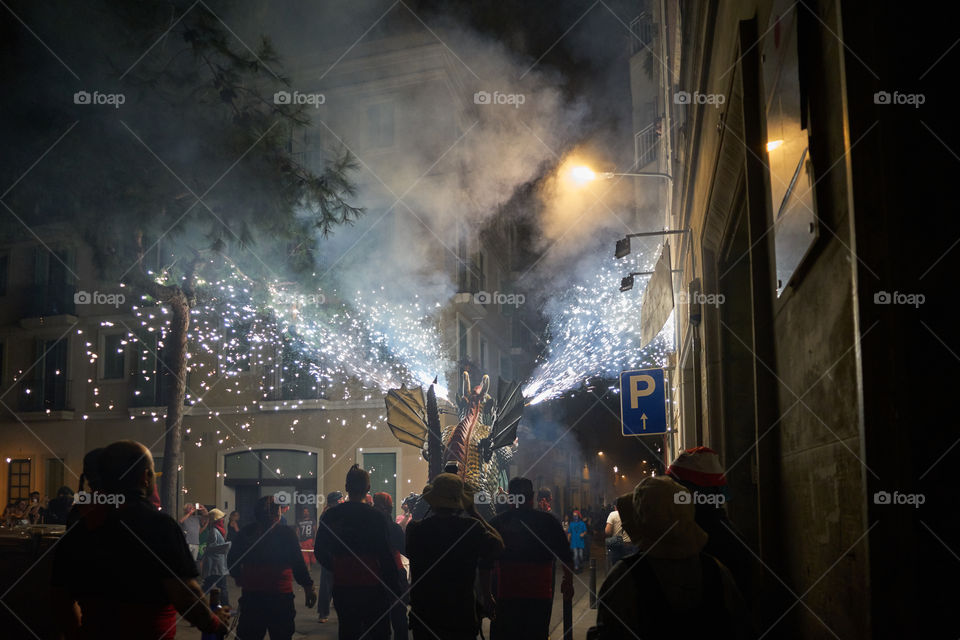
(299, 343)
(594, 331)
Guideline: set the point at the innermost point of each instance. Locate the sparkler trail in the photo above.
(594, 331)
(300, 343)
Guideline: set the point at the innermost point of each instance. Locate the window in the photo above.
(236, 345)
(383, 473)
(113, 353)
(55, 476)
(18, 480)
(270, 464)
(54, 282)
(483, 353)
(46, 388)
(299, 377)
(152, 379)
(463, 341)
(471, 266)
(481, 270)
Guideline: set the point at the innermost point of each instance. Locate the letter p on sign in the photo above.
(640, 386)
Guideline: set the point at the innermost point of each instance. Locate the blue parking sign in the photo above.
(643, 402)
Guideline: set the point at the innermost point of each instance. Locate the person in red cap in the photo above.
(700, 472)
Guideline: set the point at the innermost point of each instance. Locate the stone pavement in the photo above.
(309, 628)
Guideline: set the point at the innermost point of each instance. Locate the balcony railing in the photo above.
(646, 145)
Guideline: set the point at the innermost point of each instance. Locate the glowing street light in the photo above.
(773, 144)
(582, 175)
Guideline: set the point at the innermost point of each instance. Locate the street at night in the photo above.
(453, 319)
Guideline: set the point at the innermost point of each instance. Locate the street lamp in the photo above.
(582, 174)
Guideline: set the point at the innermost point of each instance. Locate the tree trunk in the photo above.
(175, 348)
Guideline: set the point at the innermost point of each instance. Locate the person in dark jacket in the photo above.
(671, 578)
(59, 507)
(265, 559)
(353, 542)
(445, 549)
(123, 569)
(533, 541)
(326, 575)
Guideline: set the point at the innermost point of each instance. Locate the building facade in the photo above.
(792, 179)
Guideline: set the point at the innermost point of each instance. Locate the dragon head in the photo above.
(472, 398)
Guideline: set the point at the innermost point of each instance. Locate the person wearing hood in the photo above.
(670, 580)
(97, 596)
(700, 472)
(215, 556)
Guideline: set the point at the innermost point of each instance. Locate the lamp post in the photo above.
(582, 174)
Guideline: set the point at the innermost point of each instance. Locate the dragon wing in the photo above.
(407, 415)
(506, 418)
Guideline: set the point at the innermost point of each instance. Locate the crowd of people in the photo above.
(32, 511)
(436, 570)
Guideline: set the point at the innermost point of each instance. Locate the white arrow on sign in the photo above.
(643, 419)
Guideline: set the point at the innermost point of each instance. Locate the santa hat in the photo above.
(700, 466)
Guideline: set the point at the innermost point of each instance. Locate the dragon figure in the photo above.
(481, 443)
